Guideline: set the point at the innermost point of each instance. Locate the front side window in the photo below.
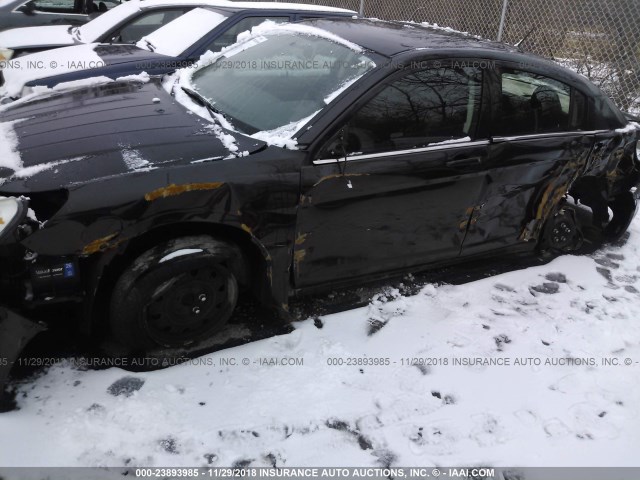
(530, 103)
(278, 80)
(420, 109)
(230, 36)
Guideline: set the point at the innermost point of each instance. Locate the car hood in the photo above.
(29, 69)
(96, 132)
(37, 37)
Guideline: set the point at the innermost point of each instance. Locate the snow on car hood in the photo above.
(48, 64)
(101, 131)
(9, 156)
(33, 37)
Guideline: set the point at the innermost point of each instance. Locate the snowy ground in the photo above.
(326, 415)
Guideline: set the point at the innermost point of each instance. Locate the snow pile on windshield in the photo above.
(9, 154)
(271, 28)
(219, 121)
(330, 98)
(175, 37)
(281, 136)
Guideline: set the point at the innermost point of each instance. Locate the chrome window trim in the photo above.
(533, 136)
(40, 12)
(394, 153)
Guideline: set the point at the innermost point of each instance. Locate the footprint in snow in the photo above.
(342, 426)
(125, 386)
(503, 288)
(546, 288)
(606, 262)
(556, 277)
(501, 340)
(375, 326)
(169, 445)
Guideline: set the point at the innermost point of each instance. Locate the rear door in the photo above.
(402, 196)
(537, 149)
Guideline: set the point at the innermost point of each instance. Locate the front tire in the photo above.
(175, 295)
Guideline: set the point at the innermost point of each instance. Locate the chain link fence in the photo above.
(597, 38)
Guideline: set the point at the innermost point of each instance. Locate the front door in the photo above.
(403, 193)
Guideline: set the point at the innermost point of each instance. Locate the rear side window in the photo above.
(422, 108)
(229, 37)
(530, 103)
(57, 6)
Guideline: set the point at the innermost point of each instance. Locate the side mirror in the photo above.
(337, 148)
(27, 8)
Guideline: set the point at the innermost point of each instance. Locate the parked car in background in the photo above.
(307, 157)
(27, 13)
(177, 44)
(127, 23)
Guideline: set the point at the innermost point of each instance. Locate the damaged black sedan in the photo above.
(308, 156)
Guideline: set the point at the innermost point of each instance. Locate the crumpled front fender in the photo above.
(15, 333)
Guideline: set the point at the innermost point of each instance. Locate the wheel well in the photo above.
(252, 275)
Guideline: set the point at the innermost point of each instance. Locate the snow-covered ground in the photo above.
(573, 310)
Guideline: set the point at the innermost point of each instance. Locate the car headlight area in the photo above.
(12, 212)
(6, 54)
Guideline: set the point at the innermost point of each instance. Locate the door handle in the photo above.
(464, 162)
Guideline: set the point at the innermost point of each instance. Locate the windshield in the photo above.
(177, 36)
(279, 79)
(93, 30)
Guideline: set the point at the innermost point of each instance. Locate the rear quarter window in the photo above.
(530, 103)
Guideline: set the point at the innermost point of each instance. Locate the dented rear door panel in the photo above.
(526, 178)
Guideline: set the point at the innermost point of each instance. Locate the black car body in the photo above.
(120, 59)
(366, 194)
(29, 13)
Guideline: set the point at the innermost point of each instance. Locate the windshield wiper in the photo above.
(150, 46)
(75, 31)
(204, 102)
